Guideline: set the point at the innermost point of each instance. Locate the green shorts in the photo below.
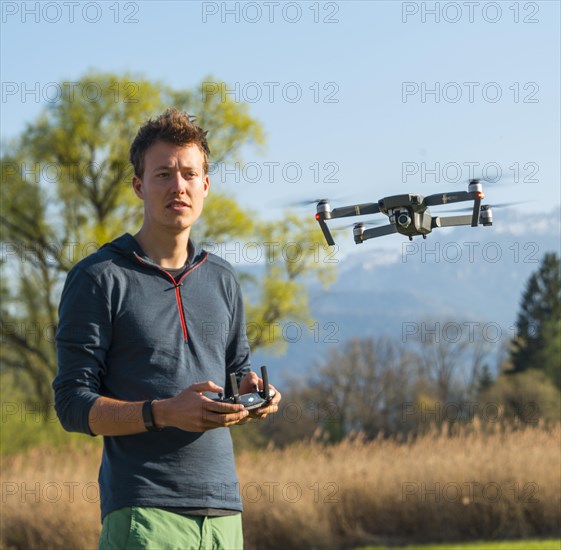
(151, 528)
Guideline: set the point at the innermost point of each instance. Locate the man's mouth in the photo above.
(177, 206)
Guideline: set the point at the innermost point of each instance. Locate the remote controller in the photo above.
(250, 401)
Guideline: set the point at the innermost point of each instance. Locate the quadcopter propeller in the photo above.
(502, 180)
(308, 202)
(496, 205)
(305, 202)
(506, 204)
(366, 224)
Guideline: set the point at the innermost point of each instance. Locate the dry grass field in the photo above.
(473, 486)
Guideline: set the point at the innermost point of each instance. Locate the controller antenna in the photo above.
(265, 378)
(235, 390)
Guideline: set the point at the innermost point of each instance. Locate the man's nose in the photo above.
(178, 182)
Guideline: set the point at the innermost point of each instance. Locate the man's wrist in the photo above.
(159, 413)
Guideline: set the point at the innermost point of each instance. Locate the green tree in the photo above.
(66, 190)
(537, 342)
(484, 379)
(528, 396)
(293, 249)
(549, 356)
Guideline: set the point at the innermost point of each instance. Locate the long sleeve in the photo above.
(83, 338)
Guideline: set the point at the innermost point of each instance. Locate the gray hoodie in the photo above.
(127, 330)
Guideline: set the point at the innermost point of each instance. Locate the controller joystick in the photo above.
(250, 401)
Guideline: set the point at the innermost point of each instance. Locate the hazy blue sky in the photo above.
(344, 86)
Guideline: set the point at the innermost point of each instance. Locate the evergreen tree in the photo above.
(536, 344)
(484, 379)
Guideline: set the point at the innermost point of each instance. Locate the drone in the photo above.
(408, 214)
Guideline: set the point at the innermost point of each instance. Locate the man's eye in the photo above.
(162, 175)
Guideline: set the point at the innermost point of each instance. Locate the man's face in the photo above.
(173, 186)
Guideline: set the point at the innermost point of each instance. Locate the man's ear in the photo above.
(137, 186)
(206, 182)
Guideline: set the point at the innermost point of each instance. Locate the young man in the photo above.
(148, 325)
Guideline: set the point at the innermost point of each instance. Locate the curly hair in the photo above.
(172, 127)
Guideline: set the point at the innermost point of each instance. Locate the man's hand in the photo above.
(250, 383)
(191, 411)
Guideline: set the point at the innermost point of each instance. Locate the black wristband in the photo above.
(148, 417)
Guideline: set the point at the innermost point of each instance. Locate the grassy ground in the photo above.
(552, 544)
(474, 486)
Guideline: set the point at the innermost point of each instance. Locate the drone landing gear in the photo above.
(250, 401)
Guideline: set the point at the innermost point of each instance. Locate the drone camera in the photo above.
(404, 219)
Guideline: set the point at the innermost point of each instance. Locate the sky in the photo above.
(359, 99)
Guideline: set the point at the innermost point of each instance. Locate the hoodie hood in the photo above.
(126, 245)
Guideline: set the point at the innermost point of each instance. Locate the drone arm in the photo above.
(449, 221)
(326, 232)
(476, 208)
(447, 198)
(355, 210)
(377, 232)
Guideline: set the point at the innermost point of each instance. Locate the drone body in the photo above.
(408, 214)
